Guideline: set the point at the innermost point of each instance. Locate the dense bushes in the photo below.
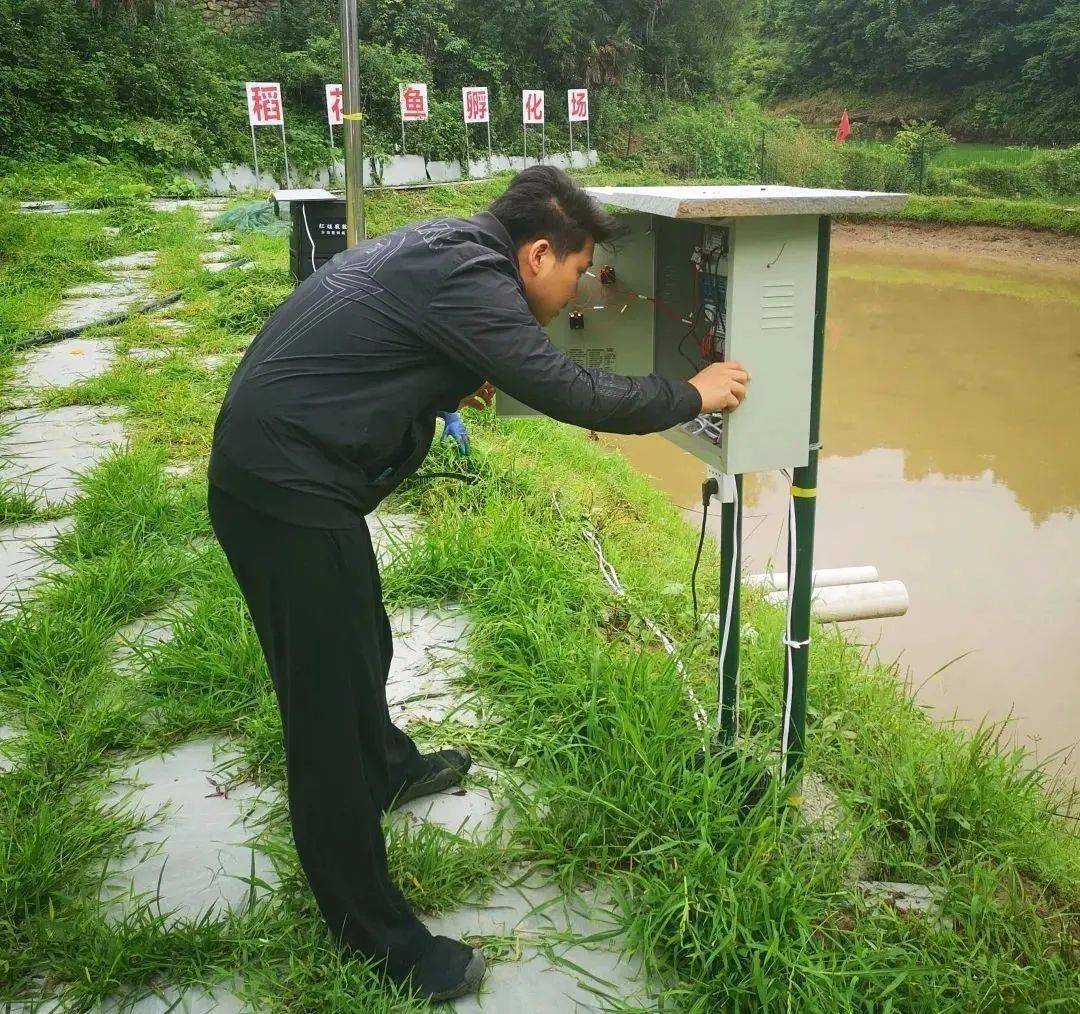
(148, 80)
(741, 144)
(1047, 174)
(997, 68)
(159, 89)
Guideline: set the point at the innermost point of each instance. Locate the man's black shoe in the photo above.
(449, 969)
(443, 770)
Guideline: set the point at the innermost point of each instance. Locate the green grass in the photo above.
(41, 255)
(732, 912)
(1061, 216)
(967, 152)
(964, 153)
(91, 182)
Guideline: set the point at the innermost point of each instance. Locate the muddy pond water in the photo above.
(951, 462)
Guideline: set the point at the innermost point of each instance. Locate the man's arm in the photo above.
(479, 317)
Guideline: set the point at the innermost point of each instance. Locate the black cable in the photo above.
(682, 341)
(709, 489)
(460, 476)
(58, 334)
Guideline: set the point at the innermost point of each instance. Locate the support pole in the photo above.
(352, 127)
(255, 152)
(466, 174)
(285, 152)
(804, 492)
(730, 623)
(489, 142)
(524, 145)
(571, 143)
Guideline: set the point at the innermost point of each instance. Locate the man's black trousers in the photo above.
(316, 602)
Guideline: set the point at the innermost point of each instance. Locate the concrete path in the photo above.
(44, 452)
(23, 558)
(94, 302)
(194, 858)
(63, 363)
(7, 734)
(195, 855)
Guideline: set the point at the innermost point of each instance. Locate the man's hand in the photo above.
(480, 398)
(454, 429)
(722, 386)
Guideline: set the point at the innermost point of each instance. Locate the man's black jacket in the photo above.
(334, 403)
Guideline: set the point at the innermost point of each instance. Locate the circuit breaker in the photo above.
(710, 274)
(751, 287)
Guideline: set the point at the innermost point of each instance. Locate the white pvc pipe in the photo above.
(853, 601)
(822, 578)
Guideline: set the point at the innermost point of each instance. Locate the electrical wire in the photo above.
(708, 488)
(460, 476)
(610, 575)
(789, 642)
(58, 334)
(682, 341)
(736, 563)
(307, 229)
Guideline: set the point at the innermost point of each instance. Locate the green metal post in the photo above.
(730, 591)
(804, 493)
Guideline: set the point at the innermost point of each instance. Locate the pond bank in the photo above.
(996, 242)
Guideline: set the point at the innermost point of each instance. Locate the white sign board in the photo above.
(264, 104)
(577, 104)
(474, 104)
(532, 106)
(413, 100)
(333, 105)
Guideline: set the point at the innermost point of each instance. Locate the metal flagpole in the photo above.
(801, 542)
(352, 125)
(285, 149)
(255, 152)
(360, 163)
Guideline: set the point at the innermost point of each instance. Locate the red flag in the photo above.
(843, 132)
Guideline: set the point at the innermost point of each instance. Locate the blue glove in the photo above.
(454, 429)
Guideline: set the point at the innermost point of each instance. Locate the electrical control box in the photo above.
(317, 233)
(712, 274)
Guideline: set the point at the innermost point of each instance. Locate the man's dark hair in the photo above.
(542, 202)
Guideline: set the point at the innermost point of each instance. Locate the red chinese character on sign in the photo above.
(414, 102)
(264, 104)
(475, 101)
(578, 104)
(532, 107)
(333, 105)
